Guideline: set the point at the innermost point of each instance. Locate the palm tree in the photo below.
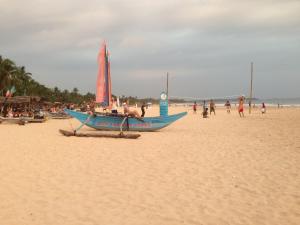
(8, 71)
(65, 96)
(25, 77)
(75, 91)
(56, 94)
(22, 80)
(32, 87)
(12, 75)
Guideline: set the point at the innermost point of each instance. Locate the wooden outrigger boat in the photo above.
(121, 122)
(114, 121)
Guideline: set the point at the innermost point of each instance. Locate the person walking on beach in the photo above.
(212, 107)
(228, 106)
(241, 107)
(263, 108)
(205, 111)
(195, 107)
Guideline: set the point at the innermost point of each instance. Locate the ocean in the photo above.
(281, 101)
(273, 102)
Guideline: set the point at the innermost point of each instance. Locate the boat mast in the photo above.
(251, 88)
(168, 85)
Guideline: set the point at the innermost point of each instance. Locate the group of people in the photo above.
(134, 113)
(212, 107)
(206, 111)
(241, 107)
(19, 110)
(11, 112)
(127, 111)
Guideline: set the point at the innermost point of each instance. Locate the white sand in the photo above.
(221, 170)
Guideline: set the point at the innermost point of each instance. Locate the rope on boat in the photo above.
(121, 126)
(71, 125)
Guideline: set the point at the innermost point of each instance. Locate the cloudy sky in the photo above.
(205, 45)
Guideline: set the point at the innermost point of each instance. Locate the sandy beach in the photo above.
(215, 171)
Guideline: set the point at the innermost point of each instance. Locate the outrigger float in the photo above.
(120, 135)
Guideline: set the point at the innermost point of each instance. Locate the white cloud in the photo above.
(182, 36)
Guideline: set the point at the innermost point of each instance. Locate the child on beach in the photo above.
(205, 111)
(228, 106)
(241, 107)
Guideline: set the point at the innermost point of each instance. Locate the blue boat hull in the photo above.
(106, 122)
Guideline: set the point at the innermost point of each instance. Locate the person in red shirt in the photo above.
(195, 107)
(241, 107)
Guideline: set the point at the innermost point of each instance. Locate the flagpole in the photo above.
(251, 88)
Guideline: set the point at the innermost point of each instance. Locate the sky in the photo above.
(206, 46)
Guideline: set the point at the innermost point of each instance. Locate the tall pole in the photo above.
(167, 85)
(251, 89)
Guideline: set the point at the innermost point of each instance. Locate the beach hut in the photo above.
(19, 103)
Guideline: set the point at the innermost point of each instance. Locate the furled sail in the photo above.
(103, 89)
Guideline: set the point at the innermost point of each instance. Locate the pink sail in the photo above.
(103, 89)
(109, 85)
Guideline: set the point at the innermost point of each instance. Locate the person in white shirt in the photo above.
(114, 108)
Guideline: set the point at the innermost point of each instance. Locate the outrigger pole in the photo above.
(251, 88)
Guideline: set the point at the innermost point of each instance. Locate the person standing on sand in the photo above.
(212, 107)
(263, 108)
(114, 108)
(144, 105)
(195, 107)
(228, 106)
(241, 107)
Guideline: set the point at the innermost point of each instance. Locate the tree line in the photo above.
(16, 79)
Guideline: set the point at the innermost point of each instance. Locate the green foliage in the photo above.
(12, 75)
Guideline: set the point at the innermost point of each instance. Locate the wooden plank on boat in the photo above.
(120, 135)
(60, 117)
(36, 120)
